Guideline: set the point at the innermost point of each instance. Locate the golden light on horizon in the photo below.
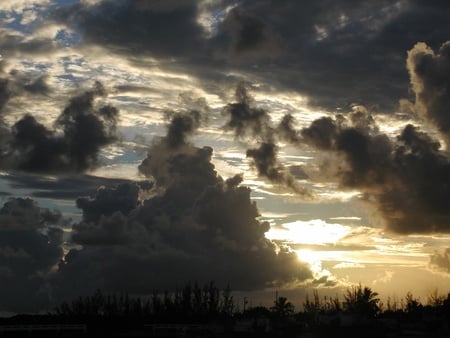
(313, 232)
(315, 258)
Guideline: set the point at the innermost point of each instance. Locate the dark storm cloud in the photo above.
(30, 247)
(194, 225)
(12, 43)
(245, 119)
(336, 52)
(123, 198)
(22, 84)
(406, 178)
(181, 126)
(5, 90)
(86, 129)
(69, 186)
(200, 227)
(321, 133)
(244, 35)
(37, 85)
(366, 151)
(249, 122)
(265, 160)
(158, 28)
(14, 84)
(418, 199)
(431, 84)
(286, 130)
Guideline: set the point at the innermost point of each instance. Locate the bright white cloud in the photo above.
(19, 6)
(314, 231)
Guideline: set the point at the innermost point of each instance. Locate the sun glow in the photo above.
(315, 232)
(315, 258)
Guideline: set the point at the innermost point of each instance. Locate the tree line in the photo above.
(193, 302)
(197, 303)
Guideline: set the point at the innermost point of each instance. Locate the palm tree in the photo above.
(362, 300)
(413, 304)
(282, 308)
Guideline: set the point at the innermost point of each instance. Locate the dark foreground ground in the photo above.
(84, 332)
(50, 326)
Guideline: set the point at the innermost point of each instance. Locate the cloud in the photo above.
(200, 228)
(265, 160)
(403, 177)
(242, 34)
(181, 126)
(321, 46)
(124, 198)
(37, 85)
(19, 6)
(245, 119)
(30, 248)
(320, 134)
(366, 151)
(429, 81)
(286, 130)
(441, 260)
(153, 28)
(16, 83)
(85, 130)
(190, 225)
(62, 186)
(193, 225)
(5, 92)
(335, 53)
(13, 43)
(249, 122)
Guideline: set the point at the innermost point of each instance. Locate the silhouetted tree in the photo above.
(186, 299)
(227, 305)
(435, 300)
(392, 305)
(413, 308)
(282, 308)
(362, 300)
(312, 308)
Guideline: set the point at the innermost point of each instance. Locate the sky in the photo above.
(279, 147)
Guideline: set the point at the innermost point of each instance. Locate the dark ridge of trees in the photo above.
(364, 301)
(202, 304)
(192, 303)
(359, 308)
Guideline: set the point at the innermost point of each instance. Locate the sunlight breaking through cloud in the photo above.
(309, 232)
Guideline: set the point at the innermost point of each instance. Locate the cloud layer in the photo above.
(315, 48)
(32, 147)
(195, 226)
(30, 248)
